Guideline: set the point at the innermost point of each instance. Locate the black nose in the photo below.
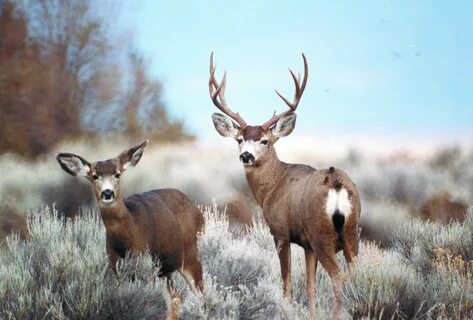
(247, 157)
(108, 194)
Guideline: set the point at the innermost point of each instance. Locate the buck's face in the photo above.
(104, 175)
(255, 142)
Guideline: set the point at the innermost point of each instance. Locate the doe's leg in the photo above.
(193, 274)
(112, 259)
(175, 297)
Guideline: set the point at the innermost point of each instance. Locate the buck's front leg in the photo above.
(284, 252)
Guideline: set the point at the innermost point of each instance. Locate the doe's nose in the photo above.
(247, 157)
(108, 194)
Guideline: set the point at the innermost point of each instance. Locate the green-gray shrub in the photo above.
(62, 272)
(409, 281)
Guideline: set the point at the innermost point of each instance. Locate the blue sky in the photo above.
(381, 67)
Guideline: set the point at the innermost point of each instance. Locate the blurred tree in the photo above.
(144, 113)
(63, 76)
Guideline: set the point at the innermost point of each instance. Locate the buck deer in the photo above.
(163, 221)
(316, 209)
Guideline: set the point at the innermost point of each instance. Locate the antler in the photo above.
(297, 96)
(217, 93)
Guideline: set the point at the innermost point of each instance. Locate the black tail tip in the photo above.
(338, 185)
(338, 221)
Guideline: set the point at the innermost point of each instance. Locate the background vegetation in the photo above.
(64, 74)
(61, 272)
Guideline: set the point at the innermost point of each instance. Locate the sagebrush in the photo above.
(61, 272)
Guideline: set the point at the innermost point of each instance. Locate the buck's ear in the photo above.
(284, 126)
(73, 164)
(224, 125)
(131, 157)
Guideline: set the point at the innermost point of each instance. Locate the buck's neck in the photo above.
(264, 177)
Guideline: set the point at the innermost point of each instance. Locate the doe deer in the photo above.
(316, 209)
(163, 221)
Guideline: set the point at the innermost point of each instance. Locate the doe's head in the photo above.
(104, 175)
(255, 142)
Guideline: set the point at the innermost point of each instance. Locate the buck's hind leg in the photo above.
(325, 253)
(310, 279)
(350, 242)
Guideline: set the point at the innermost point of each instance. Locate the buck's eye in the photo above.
(264, 142)
(117, 175)
(239, 141)
(95, 177)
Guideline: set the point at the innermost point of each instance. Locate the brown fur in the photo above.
(164, 222)
(440, 208)
(293, 198)
(252, 133)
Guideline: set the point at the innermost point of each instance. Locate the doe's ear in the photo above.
(131, 157)
(224, 125)
(73, 164)
(284, 126)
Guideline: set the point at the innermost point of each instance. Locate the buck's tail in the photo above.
(338, 205)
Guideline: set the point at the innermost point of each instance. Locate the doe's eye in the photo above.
(117, 175)
(239, 141)
(264, 142)
(95, 177)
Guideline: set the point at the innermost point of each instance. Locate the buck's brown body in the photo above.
(165, 222)
(318, 210)
(294, 197)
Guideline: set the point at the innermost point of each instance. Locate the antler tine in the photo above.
(297, 95)
(306, 73)
(217, 93)
(214, 81)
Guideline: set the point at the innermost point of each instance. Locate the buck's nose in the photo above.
(247, 157)
(108, 195)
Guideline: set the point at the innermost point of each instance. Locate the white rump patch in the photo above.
(338, 200)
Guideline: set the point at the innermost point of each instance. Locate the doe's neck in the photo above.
(116, 211)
